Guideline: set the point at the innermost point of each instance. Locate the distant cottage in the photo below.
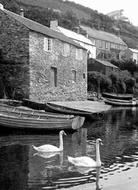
(108, 45)
(54, 67)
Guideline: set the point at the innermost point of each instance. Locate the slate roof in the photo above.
(102, 35)
(134, 50)
(74, 35)
(37, 27)
(106, 63)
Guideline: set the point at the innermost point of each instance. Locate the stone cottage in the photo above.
(54, 67)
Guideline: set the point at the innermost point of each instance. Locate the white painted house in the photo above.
(79, 38)
(134, 55)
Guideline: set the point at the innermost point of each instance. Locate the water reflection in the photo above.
(22, 167)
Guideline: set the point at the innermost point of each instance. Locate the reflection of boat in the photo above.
(117, 96)
(117, 102)
(16, 117)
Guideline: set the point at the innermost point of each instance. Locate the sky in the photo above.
(105, 6)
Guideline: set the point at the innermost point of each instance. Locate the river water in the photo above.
(21, 168)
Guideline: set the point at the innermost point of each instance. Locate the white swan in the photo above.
(85, 161)
(51, 148)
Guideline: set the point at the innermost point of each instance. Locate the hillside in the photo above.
(70, 15)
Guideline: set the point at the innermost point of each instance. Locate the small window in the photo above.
(66, 49)
(100, 44)
(107, 45)
(79, 54)
(84, 76)
(103, 44)
(113, 45)
(74, 75)
(53, 77)
(48, 44)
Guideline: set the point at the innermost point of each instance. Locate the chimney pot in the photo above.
(22, 12)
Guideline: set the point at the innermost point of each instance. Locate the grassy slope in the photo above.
(128, 32)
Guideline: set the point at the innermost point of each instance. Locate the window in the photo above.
(100, 44)
(53, 77)
(66, 49)
(84, 76)
(74, 75)
(48, 44)
(103, 44)
(79, 54)
(112, 45)
(107, 45)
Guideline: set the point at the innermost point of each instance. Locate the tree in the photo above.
(98, 82)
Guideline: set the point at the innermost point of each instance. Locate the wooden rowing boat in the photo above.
(117, 96)
(49, 107)
(118, 102)
(32, 112)
(16, 117)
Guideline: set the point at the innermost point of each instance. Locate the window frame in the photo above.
(79, 54)
(66, 49)
(48, 44)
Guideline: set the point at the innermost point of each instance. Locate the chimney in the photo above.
(22, 12)
(1, 7)
(54, 25)
(87, 36)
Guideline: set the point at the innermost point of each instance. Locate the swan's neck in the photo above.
(61, 142)
(98, 159)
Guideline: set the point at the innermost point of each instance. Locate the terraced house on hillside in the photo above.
(107, 45)
(54, 67)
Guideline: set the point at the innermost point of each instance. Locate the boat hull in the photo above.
(120, 102)
(24, 118)
(49, 107)
(117, 96)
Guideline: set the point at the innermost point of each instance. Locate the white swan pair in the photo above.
(82, 161)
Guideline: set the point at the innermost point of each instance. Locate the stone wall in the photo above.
(40, 65)
(25, 49)
(14, 48)
(14, 39)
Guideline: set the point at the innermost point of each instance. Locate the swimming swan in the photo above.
(51, 148)
(85, 161)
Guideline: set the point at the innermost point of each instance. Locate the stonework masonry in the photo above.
(40, 65)
(14, 43)
(25, 47)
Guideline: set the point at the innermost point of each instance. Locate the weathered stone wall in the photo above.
(25, 48)
(14, 47)
(40, 65)
(14, 39)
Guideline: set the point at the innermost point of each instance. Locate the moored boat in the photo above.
(58, 109)
(117, 96)
(117, 102)
(16, 117)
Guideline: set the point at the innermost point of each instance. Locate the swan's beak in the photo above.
(65, 133)
(100, 141)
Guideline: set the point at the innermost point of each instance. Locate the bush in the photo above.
(118, 82)
(97, 81)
